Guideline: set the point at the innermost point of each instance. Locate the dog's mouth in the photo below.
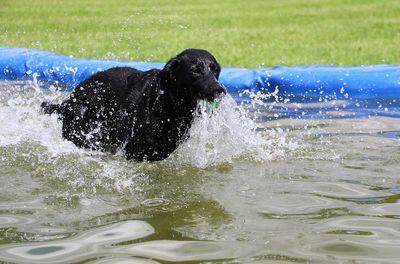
(214, 98)
(216, 92)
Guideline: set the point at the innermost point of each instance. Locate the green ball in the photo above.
(214, 104)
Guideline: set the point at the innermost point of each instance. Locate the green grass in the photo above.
(239, 33)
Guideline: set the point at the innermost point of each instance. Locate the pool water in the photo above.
(254, 184)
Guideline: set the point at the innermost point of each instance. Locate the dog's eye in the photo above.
(196, 69)
(213, 68)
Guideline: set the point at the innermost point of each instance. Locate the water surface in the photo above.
(254, 184)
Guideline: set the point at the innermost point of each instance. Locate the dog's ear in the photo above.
(170, 69)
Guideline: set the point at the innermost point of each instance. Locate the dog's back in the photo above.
(94, 116)
(112, 83)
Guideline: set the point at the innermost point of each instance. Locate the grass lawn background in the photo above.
(239, 33)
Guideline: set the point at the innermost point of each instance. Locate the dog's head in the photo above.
(194, 73)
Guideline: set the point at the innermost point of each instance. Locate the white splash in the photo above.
(218, 135)
(221, 134)
(21, 119)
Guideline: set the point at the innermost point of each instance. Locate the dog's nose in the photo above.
(220, 89)
(214, 91)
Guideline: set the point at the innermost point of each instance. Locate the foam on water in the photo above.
(218, 135)
(32, 140)
(22, 121)
(223, 133)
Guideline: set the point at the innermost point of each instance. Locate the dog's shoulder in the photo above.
(144, 83)
(141, 78)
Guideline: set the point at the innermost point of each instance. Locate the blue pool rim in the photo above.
(378, 85)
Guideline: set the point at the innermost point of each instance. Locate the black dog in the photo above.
(146, 114)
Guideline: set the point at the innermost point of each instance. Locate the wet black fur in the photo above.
(145, 114)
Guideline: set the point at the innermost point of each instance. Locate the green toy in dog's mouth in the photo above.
(214, 104)
(210, 104)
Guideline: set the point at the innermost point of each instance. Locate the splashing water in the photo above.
(218, 135)
(223, 133)
(284, 195)
(270, 185)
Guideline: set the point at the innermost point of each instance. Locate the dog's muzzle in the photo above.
(216, 90)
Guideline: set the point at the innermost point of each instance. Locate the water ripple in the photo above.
(78, 248)
(103, 241)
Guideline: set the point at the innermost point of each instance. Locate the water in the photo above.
(250, 186)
